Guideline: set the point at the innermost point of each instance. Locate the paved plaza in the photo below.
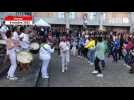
(78, 75)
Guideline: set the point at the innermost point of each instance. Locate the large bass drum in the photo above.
(24, 59)
(34, 47)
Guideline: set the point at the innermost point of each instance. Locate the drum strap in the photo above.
(45, 49)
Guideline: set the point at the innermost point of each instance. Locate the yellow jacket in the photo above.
(90, 44)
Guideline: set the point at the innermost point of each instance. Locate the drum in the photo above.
(2, 47)
(24, 58)
(34, 47)
(3, 42)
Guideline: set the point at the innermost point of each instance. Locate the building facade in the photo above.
(114, 20)
(108, 20)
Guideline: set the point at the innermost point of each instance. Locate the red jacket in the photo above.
(129, 45)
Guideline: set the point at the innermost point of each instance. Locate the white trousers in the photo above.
(12, 57)
(65, 59)
(73, 51)
(44, 69)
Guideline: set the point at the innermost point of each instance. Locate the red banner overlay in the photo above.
(18, 20)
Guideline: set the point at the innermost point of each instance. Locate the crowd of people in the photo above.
(95, 46)
(98, 46)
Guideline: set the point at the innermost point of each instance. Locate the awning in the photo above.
(42, 22)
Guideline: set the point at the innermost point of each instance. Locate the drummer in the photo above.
(25, 42)
(45, 56)
(15, 38)
(12, 56)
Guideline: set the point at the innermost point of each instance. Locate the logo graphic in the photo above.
(18, 20)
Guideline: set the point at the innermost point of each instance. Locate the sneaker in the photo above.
(88, 62)
(12, 78)
(95, 72)
(79, 56)
(8, 77)
(128, 66)
(91, 64)
(45, 76)
(99, 75)
(63, 70)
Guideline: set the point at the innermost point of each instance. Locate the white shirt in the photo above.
(25, 37)
(45, 52)
(64, 45)
(15, 36)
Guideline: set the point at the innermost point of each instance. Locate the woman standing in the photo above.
(15, 38)
(64, 52)
(12, 56)
(91, 50)
(99, 57)
(45, 55)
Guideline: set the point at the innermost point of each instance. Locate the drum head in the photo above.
(24, 57)
(34, 46)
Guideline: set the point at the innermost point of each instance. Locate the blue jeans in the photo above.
(126, 59)
(103, 63)
(115, 54)
(91, 55)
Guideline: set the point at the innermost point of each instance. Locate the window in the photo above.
(104, 16)
(28, 13)
(125, 20)
(71, 15)
(92, 15)
(118, 18)
(61, 15)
